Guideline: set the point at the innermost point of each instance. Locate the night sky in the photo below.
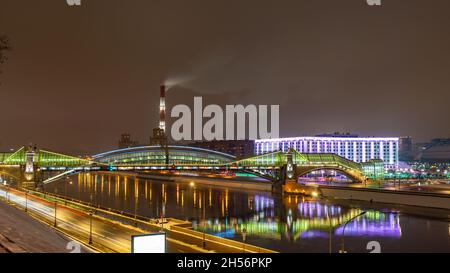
(78, 77)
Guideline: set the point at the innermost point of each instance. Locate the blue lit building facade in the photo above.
(358, 149)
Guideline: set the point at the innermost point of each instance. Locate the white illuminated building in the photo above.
(358, 149)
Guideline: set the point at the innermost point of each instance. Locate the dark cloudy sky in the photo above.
(80, 76)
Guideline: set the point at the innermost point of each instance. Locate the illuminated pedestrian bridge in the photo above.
(41, 158)
(275, 166)
(160, 156)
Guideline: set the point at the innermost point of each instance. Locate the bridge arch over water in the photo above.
(304, 163)
(158, 155)
(354, 175)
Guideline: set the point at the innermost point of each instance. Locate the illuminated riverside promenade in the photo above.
(289, 224)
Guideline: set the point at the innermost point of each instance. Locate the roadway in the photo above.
(20, 233)
(107, 236)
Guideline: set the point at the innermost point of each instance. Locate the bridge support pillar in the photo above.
(280, 180)
(28, 179)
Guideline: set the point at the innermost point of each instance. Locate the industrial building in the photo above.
(238, 148)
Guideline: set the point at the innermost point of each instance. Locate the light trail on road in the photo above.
(106, 234)
(115, 237)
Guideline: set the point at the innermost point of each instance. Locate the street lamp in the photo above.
(244, 235)
(135, 212)
(374, 173)
(343, 230)
(56, 204)
(65, 188)
(90, 227)
(330, 234)
(162, 216)
(204, 220)
(136, 202)
(26, 201)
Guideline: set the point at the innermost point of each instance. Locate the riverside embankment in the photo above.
(379, 195)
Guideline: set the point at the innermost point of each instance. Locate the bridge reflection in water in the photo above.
(304, 219)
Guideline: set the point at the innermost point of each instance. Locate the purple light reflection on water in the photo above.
(312, 209)
(385, 227)
(372, 229)
(262, 202)
(314, 234)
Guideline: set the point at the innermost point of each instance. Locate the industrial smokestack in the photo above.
(162, 108)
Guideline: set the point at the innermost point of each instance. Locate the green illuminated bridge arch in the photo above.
(43, 158)
(182, 156)
(306, 163)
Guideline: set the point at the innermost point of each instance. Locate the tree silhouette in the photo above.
(4, 46)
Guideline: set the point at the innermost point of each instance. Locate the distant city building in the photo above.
(238, 148)
(418, 149)
(438, 151)
(126, 141)
(159, 137)
(358, 149)
(337, 134)
(405, 149)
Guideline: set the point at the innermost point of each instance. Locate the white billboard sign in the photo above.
(149, 243)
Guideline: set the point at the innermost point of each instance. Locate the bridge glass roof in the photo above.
(156, 155)
(42, 158)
